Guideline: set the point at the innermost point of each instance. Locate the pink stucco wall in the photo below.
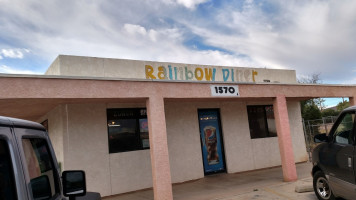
(38, 95)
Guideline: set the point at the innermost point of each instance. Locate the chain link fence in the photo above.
(314, 127)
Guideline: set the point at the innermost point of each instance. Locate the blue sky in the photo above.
(309, 36)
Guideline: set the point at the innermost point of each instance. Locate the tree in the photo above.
(320, 103)
(311, 109)
(342, 105)
(329, 112)
(313, 79)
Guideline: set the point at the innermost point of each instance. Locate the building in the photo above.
(133, 125)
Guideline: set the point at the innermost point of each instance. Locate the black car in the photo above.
(334, 162)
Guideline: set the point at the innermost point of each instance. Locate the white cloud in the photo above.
(153, 35)
(8, 70)
(135, 29)
(11, 53)
(191, 4)
(306, 36)
(94, 32)
(309, 36)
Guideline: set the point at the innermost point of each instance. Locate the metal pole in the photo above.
(309, 141)
(305, 135)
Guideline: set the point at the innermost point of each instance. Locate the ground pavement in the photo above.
(260, 185)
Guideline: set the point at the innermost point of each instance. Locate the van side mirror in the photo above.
(41, 188)
(74, 183)
(321, 138)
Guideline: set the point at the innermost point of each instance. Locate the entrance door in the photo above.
(211, 141)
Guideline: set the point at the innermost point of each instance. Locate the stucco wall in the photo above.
(79, 135)
(130, 171)
(56, 127)
(136, 69)
(265, 150)
(241, 152)
(296, 126)
(86, 145)
(184, 148)
(237, 141)
(54, 69)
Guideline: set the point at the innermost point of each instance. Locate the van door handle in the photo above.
(349, 161)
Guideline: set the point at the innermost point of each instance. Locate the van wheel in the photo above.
(321, 187)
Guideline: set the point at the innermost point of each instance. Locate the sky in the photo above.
(309, 36)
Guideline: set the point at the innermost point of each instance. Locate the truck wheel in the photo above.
(321, 187)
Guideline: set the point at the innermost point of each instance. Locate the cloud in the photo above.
(309, 36)
(9, 70)
(145, 30)
(135, 29)
(191, 4)
(12, 53)
(302, 35)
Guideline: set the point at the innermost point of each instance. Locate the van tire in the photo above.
(321, 187)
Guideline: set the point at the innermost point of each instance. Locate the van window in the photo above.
(343, 133)
(43, 176)
(7, 183)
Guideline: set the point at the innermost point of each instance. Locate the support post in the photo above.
(352, 101)
(284, 138)
(161, 173)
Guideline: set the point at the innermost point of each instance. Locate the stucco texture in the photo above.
(241, 152)
(184, 142)
(66, 65)
(56, 127)
(85, 143)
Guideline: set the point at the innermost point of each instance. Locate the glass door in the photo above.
(211, 141)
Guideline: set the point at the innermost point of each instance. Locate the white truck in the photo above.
(29, 168)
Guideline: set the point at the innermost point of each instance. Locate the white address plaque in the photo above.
(224, 90)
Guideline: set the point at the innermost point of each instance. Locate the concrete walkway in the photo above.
(261, 184)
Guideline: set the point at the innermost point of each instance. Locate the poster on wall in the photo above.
(211, 141)
(144, 133)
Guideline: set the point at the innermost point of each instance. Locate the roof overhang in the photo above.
(30, 97)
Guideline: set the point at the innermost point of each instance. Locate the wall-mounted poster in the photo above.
(213, 157)
(144, 133)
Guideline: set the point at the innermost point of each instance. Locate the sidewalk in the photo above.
(284, 191)
(261, 184)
